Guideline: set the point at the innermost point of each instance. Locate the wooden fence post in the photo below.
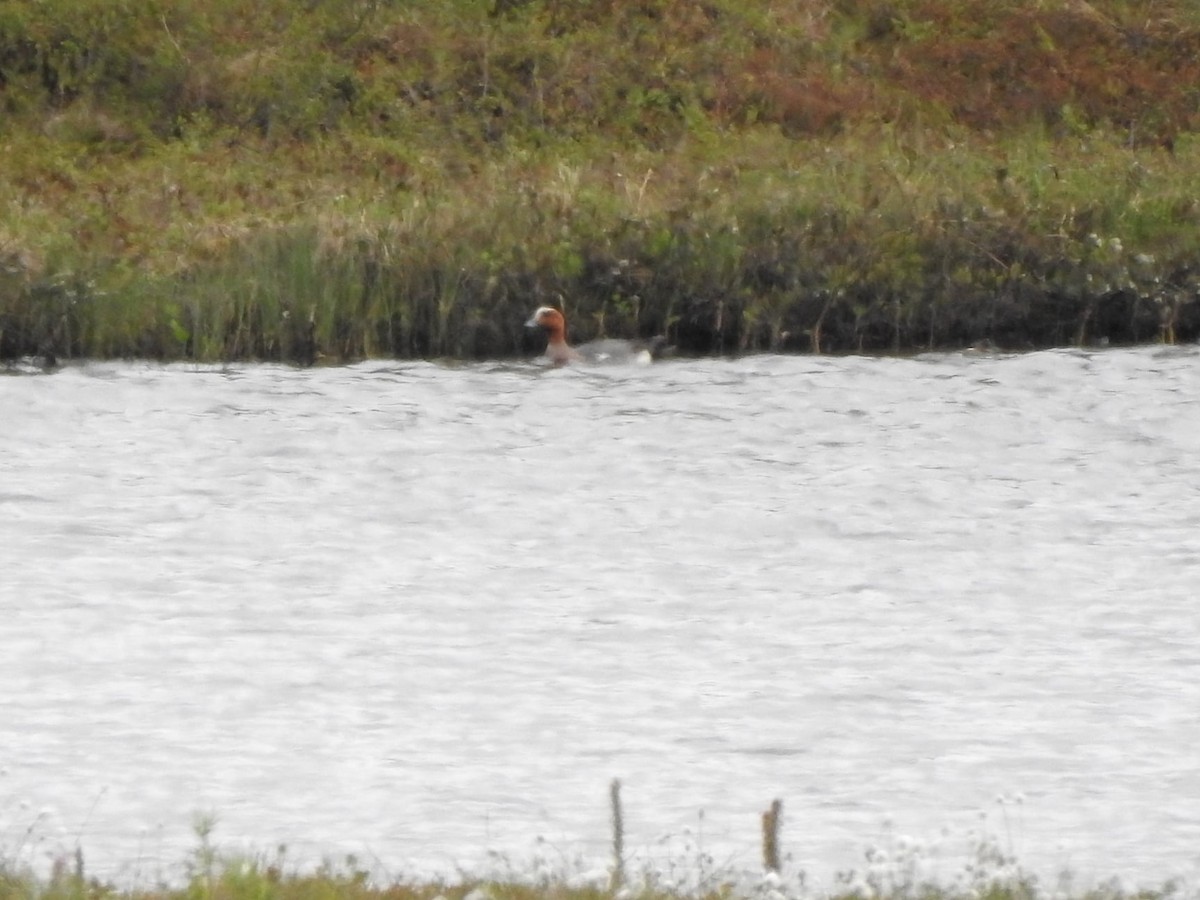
(770, 835)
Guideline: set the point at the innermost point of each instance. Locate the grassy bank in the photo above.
(225, 179)
(209, 874)
(901, 870)
(213, 876)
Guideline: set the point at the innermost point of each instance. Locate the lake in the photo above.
(423, 614)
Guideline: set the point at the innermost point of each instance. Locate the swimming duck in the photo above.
(608, 350)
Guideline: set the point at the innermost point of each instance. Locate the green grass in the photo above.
(221, 179)
(208, 873)
(900, 869)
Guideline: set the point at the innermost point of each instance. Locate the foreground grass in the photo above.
(211, 878)
(900, 870)
(219, 179)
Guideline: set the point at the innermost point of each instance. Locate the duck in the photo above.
(607, 350)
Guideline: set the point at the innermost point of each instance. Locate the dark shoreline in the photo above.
(834, 297)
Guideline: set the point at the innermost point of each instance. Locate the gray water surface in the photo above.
(416, 612)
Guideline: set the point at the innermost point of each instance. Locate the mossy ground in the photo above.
(219, 179)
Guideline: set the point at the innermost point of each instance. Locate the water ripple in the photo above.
(431, 610)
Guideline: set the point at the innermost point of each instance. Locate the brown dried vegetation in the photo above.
(216, 178)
